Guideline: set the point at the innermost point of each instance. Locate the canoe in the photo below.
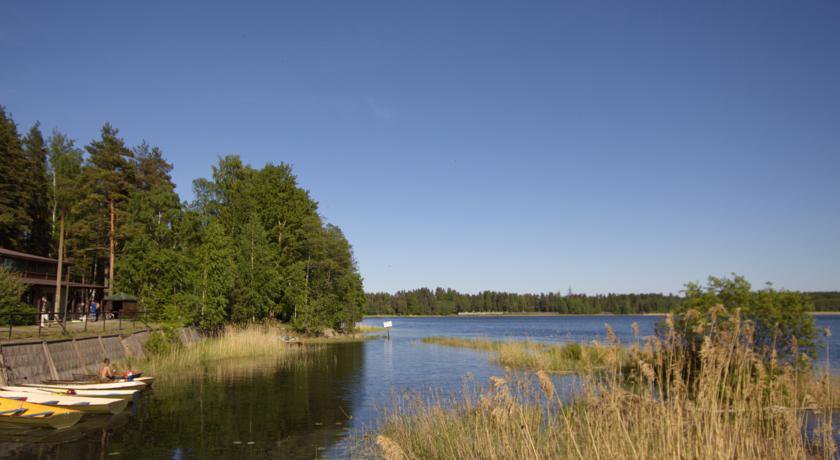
(74, 385)
(79, 403)
(26, 413)
(112, 394)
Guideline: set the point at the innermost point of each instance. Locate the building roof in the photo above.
(25, 256)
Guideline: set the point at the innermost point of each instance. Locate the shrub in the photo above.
(780, 322)
(11, 289)
(162, 342)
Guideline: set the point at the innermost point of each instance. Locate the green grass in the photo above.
(568, 357)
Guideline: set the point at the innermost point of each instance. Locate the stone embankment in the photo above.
(32, 361)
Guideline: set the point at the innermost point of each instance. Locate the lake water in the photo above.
(311, 409)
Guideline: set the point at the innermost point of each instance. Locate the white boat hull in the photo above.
(90, 386)
(112, 394)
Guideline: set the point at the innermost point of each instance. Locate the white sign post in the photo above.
(388, 325)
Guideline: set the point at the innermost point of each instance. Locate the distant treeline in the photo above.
(825, 301)
(441, 301)
(425, 301)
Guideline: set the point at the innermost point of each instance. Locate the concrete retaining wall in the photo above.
(90, 354)
(113, 347)
(134, 344)
(65, 357)
(26, 362)
(34, 361)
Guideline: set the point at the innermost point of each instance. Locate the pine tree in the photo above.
(14, 220)
(37, 187)
(109, 178)
(151, 265)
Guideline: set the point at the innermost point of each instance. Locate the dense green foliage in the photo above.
(779, 320)
(10, 291)
(162, 342)
(24, 191)
(251, 246)
(37, 188)
(448, 301)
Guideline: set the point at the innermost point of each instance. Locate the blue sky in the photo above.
(521, 146)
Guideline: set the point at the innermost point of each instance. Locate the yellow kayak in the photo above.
(25, 413)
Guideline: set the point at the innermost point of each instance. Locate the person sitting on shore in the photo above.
(105, 371)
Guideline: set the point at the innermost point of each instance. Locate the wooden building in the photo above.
(120, 305)
(39, 275)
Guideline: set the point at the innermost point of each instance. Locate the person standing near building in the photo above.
(94, 310)
(42, 308)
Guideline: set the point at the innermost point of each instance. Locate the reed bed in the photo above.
(655, 402)
(237, 350)
(556, 358)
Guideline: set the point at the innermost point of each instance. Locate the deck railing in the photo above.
(90, 322)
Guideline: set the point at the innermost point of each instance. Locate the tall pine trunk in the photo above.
(58, 276)
(54, 203)
(111, 247)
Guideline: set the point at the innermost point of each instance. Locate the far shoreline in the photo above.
(514, 314)
(541, 314)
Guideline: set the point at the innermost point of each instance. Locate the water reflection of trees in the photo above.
(242, 408)
(34, 442)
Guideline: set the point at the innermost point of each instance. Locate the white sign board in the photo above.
(387, 324)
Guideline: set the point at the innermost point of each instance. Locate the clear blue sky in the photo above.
(523, 146)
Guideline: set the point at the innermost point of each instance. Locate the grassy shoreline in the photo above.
(555, 358)
(250, 348)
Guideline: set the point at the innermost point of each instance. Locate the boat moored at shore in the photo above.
(79, 403)
(25, 413)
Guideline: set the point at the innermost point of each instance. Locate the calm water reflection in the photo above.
(312, 409)
(291, 413)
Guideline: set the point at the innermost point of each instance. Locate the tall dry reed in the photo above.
(730, 404)
(236, 350)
